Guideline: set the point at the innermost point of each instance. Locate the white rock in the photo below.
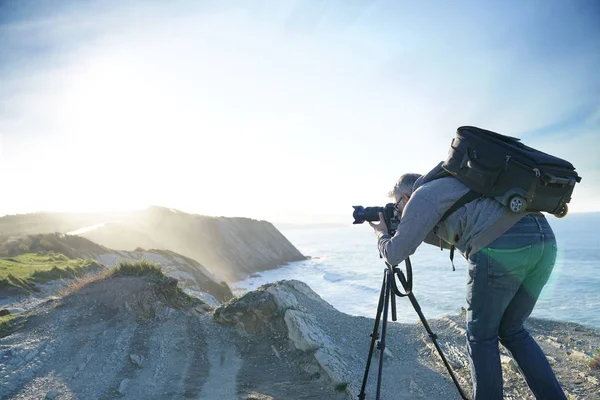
(283, 298)
(307, 291)
(333, 365)
(205, 297)
(579, 356)
(275, 351)
(123, 386)
(510, 362)
(387, 354)
(304, 332)
(137, 359)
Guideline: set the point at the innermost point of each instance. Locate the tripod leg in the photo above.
(433, 337)
(393, 299)
(381, 344)
(374, 335)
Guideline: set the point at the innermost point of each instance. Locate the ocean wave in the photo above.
(362, 287)
(332, 277)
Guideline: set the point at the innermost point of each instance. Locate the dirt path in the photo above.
(224, 366)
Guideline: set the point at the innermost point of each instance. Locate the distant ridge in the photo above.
(230, 248)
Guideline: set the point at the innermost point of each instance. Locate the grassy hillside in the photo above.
(67, 245)
(231, 248)
(19, 274)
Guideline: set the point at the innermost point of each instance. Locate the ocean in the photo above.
(345, 270)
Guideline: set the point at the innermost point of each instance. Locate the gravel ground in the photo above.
(138, 339)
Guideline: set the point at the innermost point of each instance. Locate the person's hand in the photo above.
(381, 227)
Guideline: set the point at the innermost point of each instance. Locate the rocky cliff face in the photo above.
(337, 345)
(139, 339)
(230, 248)
(192, 276)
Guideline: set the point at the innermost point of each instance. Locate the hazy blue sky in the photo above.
(282, 110)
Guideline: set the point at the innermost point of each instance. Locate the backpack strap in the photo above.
(437, 173)
(467, 198)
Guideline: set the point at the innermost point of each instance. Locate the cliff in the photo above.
(140, 338)
(62, 253)
(230, 248)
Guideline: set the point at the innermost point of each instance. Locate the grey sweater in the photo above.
(421, 215)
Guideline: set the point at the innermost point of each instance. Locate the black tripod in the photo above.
(389, 290)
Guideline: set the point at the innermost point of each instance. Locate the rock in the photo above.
(334, 366)
(203, 308)
(206, 298)
(387, 354)
(275, 352)
(414, 388)
(554, 342)
(283, 298)
(52, 394)
(303, 288)
(304, 332)
(31, 355)
(579, 356)
(137, 359)
(510, 363)
(123, 386)
(456, 365)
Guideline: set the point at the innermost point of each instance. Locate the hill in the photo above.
(231, 248)
(26, 261)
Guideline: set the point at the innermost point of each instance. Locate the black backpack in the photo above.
(501, 167)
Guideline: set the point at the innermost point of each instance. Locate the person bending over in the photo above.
(510, 258)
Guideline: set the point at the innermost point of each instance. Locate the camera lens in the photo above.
(362, 214)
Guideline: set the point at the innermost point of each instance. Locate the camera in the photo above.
(390, 216)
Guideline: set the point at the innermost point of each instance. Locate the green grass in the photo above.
(138, 268)
(173, 295)
(21, 273)
(6, 322)
(341, 387)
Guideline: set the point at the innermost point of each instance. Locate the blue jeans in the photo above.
(503, 284)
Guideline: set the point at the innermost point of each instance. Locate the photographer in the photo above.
(510, 258)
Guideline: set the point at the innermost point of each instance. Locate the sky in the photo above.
(289, 111)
